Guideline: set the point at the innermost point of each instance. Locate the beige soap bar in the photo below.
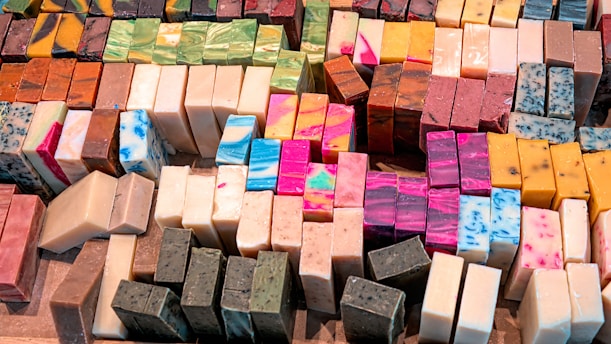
(604, 335)
(79, 213)
(143, 90)
(586, 302)
(475, 51)
(228, 197)
(254, 97)
(447, 52)
(575, 225)
(287, 227)
(476, 12)
(448, 12)
(226, 96)
(316, 267)
(171, 196)
(130, 212)
(347, 244)
(197, 211)
(255, 226)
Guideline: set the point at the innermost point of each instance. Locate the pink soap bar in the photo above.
(437, 108)
(410, 218)
(442, 221)
(319, 192)
(467, 105)
(442, 159)
(339, 132)
(380, 207)
(474, 164)
(19, 248)
(496, 106)
(294, 160)
(351, 174)
(6, 195)
(281, 116)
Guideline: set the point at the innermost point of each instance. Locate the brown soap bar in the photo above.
(33, 80)
(84, 87)
(498, 99)
(17, 39)
(73, 303)
(58, 79)
(10, 80)
(114, 86)
(101, 147)
(588, 70)
(289, 13)
(409, 103)
(437, 106)
(381, 108)
(5, 22)
(558, 43)
(227, 10)
(6, 195)
(147, 248)
(467, 105)
(93, 41)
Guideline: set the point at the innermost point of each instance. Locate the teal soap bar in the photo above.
(235, 301)
(173, 260)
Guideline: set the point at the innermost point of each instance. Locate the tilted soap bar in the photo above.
(292, 74)
(235, 300)
(474, 164)
(319, 192)
(474, 229)
(132, 205)
(263, 165)
(442, 159)
(601, 238)
(293, 168)
(16, 42)
(236, 141)
(255, 93)
(351, 175)
(380, 207)
(410, 217)
(270, 40)
(340, 132)
(411, 92)
(174, 257)
(311, 121)
(70, 145)
(504, 228)
(442, 220)
(281, 116)
(146, 253)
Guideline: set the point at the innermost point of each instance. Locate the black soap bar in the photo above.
(201, 295)
(129, 302)
(271, 301)
(204, 10)
(404, 266)
(173, 259)
(235, 301)
(371, 312)
(126, 9)
(151, 9)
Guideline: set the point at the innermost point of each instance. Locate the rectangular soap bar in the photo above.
(380, 108)
(505, 169)
(410, 216)
(281, 116)
(442, 159)
(351, 174)
(171, 195)
(287, 227)
(448, 13)
(101, 147)
(69, 35)
(530, 89)
(347, 254)
(587, 314)
(503, 50)
(474, 63)
(6, 195)
(342, 34)
(437, 107)
(311, 121)
(447, 52)
(132, 205)
(58, 79)
(295, 156)
(368, 46)
(571, 180)
(254, 228)
(125, 9)
(474, 229)
(316, 267)
(243, 34)
(575, 230)
(588, 71)
(166, 43)
(235, 145)
(476, 12)
(218, 39)
(93, 40)
(497, 102)
(395, 42)
(178, 10)
(505, 229)
(258, 9)
(77, 6)
(263, 165)
(254, 97)
(380, 208)
(538, 187)
(474, 164)
(319, 191)
(290, 14)
(230, 188)
(293, 73)
(192, 42)
(411, 92)
(270, 39)
(115, 83)
(102, 8)
(558, 43)
(43, 35)
(70, 145)
(197, 210)
(235, 300)
(33, 80)
(560, 93)
(119, 40)
(339, 133)
(528, 126)
(442, 220)
(198, 105)
(174, 257)
(577, 12)
(314, 39)
(594, 138)
(601, 236)
(226, 94)
(506, 13)
(423, 32)
(530, 41)
(16, 42)
(595, 170)
(366, 8)
(206, 9)
(143, 40)
(10, 80)
(147, 248)
(538, 9)
(84, 86)
(605, 330)
(467, 105)
(421, 10)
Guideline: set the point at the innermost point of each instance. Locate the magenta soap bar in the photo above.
(380, 207)
(294, 159)
(496, 106)
(467, 105)
(442, 159)
(339, 133)
(410, 217)
(442, 220)
(319, 192)
(437, 106)
(474, 164)
(351, 174)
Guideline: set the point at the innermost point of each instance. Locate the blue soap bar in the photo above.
(474, 229)
(263, 165)
(530, 89)
(538, 9)
(574, 11)
(234, 148)
(505, 228)
(560, 93)
(594, 139)
(555, 130)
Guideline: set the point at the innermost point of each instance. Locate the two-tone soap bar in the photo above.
(410, 216)
(340, 132)
(504, 228)
(319, 192)
(380, 208)
(281, 116)
(442, 159)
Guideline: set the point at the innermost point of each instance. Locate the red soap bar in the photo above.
(411, 91)
(381, 108)
(467, 105)
(58, 80)
(6, 195)
(437, 106)
(227, 10)
(19, 248)
(496, 106)
(10, 79)
(605, 29)
(84, 87)
(114, 86)
(33, 80)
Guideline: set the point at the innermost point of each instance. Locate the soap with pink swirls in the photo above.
(442, 220)
(442, 159)
(294, 159)
(380, 208)
(474, 164)
(410, 217)
(319, 192)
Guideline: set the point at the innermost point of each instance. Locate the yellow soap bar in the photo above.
(395, 42)
(448, 12)
(538, 186)
(597, 170)
(43, 35)
(422, 32)
(476, 12)
(504, 161)
(570, 173)
(281, 116)
(506, 13)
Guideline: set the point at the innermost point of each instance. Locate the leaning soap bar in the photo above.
(598, 182)
(235, 300)
(166, 43)
(560, 93)
(70, 145)
(147, 248)
(101, 147)
(255, 225)
(119, 41)
(347, 254)
(587, 315)
(504, 229)
(226, 94)
(601, 238)
(528, 126)
(504, 161)
(538, 187)
(130, 212)
(316, 268)
(171, 195)
(351, 175)
(344, 84)
(6, 195)
(319, 192)
(295, 156)
(174, 257)
(93, 40)
(571, 179)
(228, 197)
(442, 159)
(292, 74)
(410, 217)
(197, 210)
(281, 116)
(474, 229)
(235, 145)
(442, 220)
(380, 207)
(339, 133)
(530, 89)
(263, 165)
(474, 164)
(198, 104)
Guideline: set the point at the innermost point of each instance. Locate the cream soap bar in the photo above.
(604, 335)
(70, 145)
(171, 196)
(502, 49)
(143, 91)
(315, 266)
(228, 197)
(132, 206)
(347, 253)
(447, 52)
(254, 97)
(342, 34)
(255, 225)
(197, 210)
(226, 94)
(530, 41)
(287, 227)
(575, 230)
(448, 13)
(587, 315)
(475, 51)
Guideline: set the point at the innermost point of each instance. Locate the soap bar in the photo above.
(476, 12)
(448, 13)
(143, 40)
(538, 187)
(254, 97)
(204, 10)
(409, 272)
(147, 248)
(293, 74)
(10, 80)
(440, 298)
(258, 9)
(342, 34)
(197, 210)
(475, 51)
(201, 296)
(119, 40)
(235, 145)
(71, 143)
(281, 116)
(351, 174)
(605, 330)
(595, 170)
(442, 159)
(290, 14)
(18, 248)
(505, 169)
(295, 156)
(594, 139)
(504, 228)
(530, 41)
(58, 79)
(79, 213)
(115, 83)
(235, 300)
(530, 89)
(178, 10)
(73, 302)
(366, 8)
(527, 126)
(314, 39)
(132, 205)
(371, 311)
(411, 92)
(228, 197)
(69, 34)
(84, 86)
(33, 80)
(588, 70)
(263, 165)
(198, 104)
(447, 52)
(22, 9)
(192, 42)
(271, 305)
(474, 229)
(395, 42)
(171, 195)
(410, 216)
(437, 107)
(560, 93)
(423, 32)
(575, 230)
(474, 164)
(319, 191)
(174, 257)
(16, 42)
(166, 43)
(467, 105)
(287, 220)
(43, 35)
(497, 102)
(571, 180)
(311, 121)
(503, 50)
(254, 228)
(243, 34)
(316, 268)
(546, 315)
(442, 220)
(422, 10)
(380, 208)
(601, 236)
(577, 12)
(506, 13)
(6, 195)
(126, 9)
(102, 8)
(538, 9)
(77, 6)
(478, 304)
(218, 39)
(339, 133)
(380, 108)
(93, 41)
(226, 94)
(101, 147)
(368, 46)
(558, 43)
(540, 248)
(587, 315)
(347, 253)
(270, 39)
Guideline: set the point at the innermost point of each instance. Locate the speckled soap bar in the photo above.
(263, 165)
(594, 139)
(234, 148)
(442, 220)
(235, 301)
(474, 229)
(410, 216)
(474, 164)
(319, 192)
(174, 257)
(442, 159)
(560, 93)
(380, 208)
(555, 130)
(530, 89)
(504, 229)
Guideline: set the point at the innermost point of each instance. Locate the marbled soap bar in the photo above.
(477, 12)
(132, 205)
(528, 126)
(255, 93)
(270, 39)
(16, 41)
(198, 105)
(241, 47)
(467, 105)
(101, 147)
(380, 207)
(146, 253)
(347, 254)
(70, 145)
(77, 6)
(218, 40)
(258, 9)
(497, 102)
(235, 145)
(423, 32)
(316, 267)
(119, 41)
(474, 229)
(560, 93)
(575, 231)
(558, 43)
(102, 8)
(143, 40)
(93, 41)
(530, 89)
(474, 164)
(263, 165)
(311, 121)
(115, 84)
(380, 108)
(595, 164)
(537, 9)
(442, 220)
(226, 93)
(587, 314)
(287, 228)
(571, 180)
(43, 35)
(33, 80)
(254, 228)
(411, 92)
(10, 80)
(587, 70)
(475, 40)
(410, 216)
(126, 9)
(58, 79)
(281, 116)
(442, 159)
(395, 42)
(366, 8)
(339, 133)
(506, 13)
(295, 157)
(192, 42)
(84, 86)
(530, 41)
(235, 300)
(538, 187)
(594, 139)
(69, 35)
(205, 10)
(171, 196)
(437, 107)
(22, 9)
(178, 10)
(371, 311)
(368, 46)
(314, 39)
(319, 192)
(174, 257)
(230, 188)
(342, 34)
(447, 52)
(351, 175)
(504, 228)
(166, 43)
(198, 208)
(422, 10)
(292, 74)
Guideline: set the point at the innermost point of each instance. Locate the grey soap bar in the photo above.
(173, 259)
(201, 294)
(371, 312)
(235, 301)
(404, 266)
(129, 302)
(271, 305)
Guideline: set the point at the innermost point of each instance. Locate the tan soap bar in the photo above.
(130, 212)
(255, 226)
(228, 196)
(287, 227)
(197, 212)
(227, 89)
(316, 267)
(171, 196)
(147, 248)
(586, 302)
(347, 251)
(604, 335)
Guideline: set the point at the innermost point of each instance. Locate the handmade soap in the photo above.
(192, 42)
(126, 9)
(243, 34)
(530, 89)
(476, 12)
(527, 126)
(254, 97)
(368, 46)
(594, 139)
(351, 174)
(423, 32)
(422, 10)
(270, 39)
(178, 10)
(43, 35)
(447, 52)
(295, 156)
(132, 205)
(588, 70)
(198, 105)
(316, 268)
(442, 220)
(77, 6)
(147, 248)
(570, 174)
(560, 93)
(281, 116)
(254, 228)
(287, 220)
(93, 41)
(102, 8)
(197, 210)
(292, 74)
(587, 315)
(380, 207)
(506, 13)
(69, 35)
(380, 108)
(410, 216)
(474, 164)
(395, 42)
(411, 92)
(474, 63)
(205, 10)
(10, 80)
(166, 43)
(71, 143)
(311, 121)
(6, 195)
(342, 34)
(575, 230)
(226, 94)
(604, 332)
(505, 169)
(530, 41)
(84, 86)
(258, 9)
(235, 300)
(347, 252)
(58, 79)
(101, 147)
(119, 41)
(218, 39)
(314, 39)
(52, 6)
(16, 41)
(497, 102)
(339, 133)
(171, 195)
(447, 13)
(467, 105)
(474, 229)
(174, 257)
(228, 197)
(538, 187)
(537, 9)
(114, 87)
(442, 159)
(437, 107)
(503, 50)
(595, 170)
(143, 40)
(33, 80)
(319, 191)
(366, 8)
(290, 14)
(601, 236)
(504, 228)
(235, 145)
(440, 298)
(263, 165)
(558, 43)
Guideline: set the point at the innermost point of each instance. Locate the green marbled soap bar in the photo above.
(143, 40)
(192, 42)
(314, 39)
(270, 39)
(292, 74)
(119, 41)
(243, 35)
(217, 44)
(166, 44)
(22, 9)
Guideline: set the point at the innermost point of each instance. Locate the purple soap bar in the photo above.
(496, 106)
(410, 218)
(16, 41)
(474, 164)
(423, 10)
(366, 8)
(467, 105)
(437, 108)
(442, 221)
(380, 207)
(442, 159)
(393, 10)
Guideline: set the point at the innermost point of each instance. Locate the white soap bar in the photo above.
(474, 229)
(287, 227)
(143, 90)
(255, 226)
(70, 145)
(226, 95)
(601, 241)
(440, 298)
(447, 52)
(342, 34)
(545, 311)
(505, 229)
(171, 196)
(604, 335)
(132, 206)
(198, 103)
(477, 305)
(118, 266)
(316, 267)
(575, 225)
(197, 211)
(228, 196)
(530, 41)
(347, 244)
(586, 302)
(254, 97)
(503, 51)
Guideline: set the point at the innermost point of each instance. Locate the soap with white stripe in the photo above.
(234, 148)
(263, 165)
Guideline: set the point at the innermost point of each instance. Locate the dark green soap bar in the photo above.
(403, 266)
(372, 312)
(271, 301)
(201, 295)
(129, 302)
(173, 259)
(235, 301)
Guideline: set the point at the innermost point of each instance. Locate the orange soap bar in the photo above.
(43, 35)
(69, 35)
(33, 80)
(423, 39)
(58, 79)
(84, 87)
(10, 79)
